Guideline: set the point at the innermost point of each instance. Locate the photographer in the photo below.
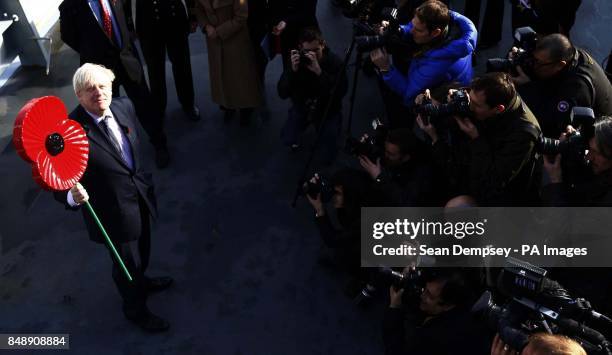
(540, 344)
(441, 325)
(402, 177)
(598, 191)
(310, 82)
(502, 135)
(450, 149)
(439, 56)
(563, 77)
(349, 195)
(594, 284)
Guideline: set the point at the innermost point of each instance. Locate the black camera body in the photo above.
(527, 40)
(582, 118)
(367, 38)
(373, 147)
(458, 105)
(304, 59)
(322, 186)
(538, 304)
(411, 282)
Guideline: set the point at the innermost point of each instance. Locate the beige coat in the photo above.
(231, 59)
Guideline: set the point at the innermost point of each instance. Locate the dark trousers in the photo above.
(135, 255)
(154, 46)
(492, 25)
(298, 121)
(149, 115)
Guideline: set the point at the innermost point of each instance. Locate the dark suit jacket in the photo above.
(82, 32)
(153, 17)
(115, 190)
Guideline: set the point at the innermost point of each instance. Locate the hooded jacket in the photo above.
(451, 62)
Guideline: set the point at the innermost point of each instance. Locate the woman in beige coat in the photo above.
(231, 59)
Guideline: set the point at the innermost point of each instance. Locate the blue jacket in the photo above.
(452, 62)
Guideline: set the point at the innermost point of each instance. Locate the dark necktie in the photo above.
(107, 24)
(110, 135)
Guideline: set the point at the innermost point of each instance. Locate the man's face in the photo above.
(338, 198)
(420, 32)
(393, 155)
(479, 107)
(544, 67)
(599, 163)
(431, 302)
(96, 97)
(315, 47)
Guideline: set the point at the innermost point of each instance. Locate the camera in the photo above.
(357, 8)
(458, 105)
(373, 147)
(322, 186)
(367, 38)
(538, 304)
(576, 144)
(526, 39)
(304, 59)
(411, 282)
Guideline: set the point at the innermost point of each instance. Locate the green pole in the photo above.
(108, 241)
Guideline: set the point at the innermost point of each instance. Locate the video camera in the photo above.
(373, 147)
(322, 186)
(458, 105)
(538, 304)
(583, 118)
(526, 39)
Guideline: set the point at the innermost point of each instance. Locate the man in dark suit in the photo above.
(97, 30)
(164, 25)
(122, 191)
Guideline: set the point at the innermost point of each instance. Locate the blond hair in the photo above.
(88, 74)
(553, 344)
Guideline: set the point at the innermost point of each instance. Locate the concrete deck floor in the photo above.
(244, 261)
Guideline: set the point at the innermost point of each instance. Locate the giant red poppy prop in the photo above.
(57, 147)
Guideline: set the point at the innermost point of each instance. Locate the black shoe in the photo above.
(149, 322)
(156, 284)
(193, 113)
(162, 157)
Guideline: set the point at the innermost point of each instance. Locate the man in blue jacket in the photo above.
(440, 56)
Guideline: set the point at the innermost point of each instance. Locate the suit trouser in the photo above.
(491, 31)
(149, 115)
(135, 255)
(154, 46)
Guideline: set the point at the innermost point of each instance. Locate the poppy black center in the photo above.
(54, 144)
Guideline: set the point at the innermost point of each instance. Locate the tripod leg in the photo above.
(358, 62)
